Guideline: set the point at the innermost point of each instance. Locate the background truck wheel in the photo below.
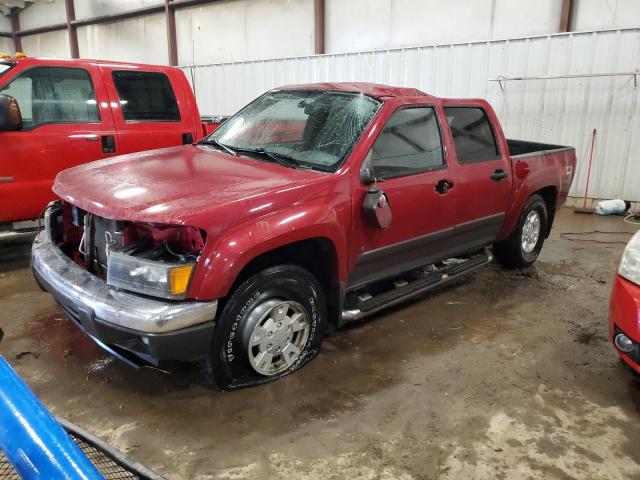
(271, 326)
(523, 246)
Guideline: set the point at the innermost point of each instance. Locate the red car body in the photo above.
(225, 196)
(624, 317)
(252, 212)
(32, 157)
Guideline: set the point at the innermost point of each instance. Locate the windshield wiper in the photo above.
(217, 143)
(280, 158)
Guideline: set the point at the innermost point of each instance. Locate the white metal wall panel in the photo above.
(50, 44)
(245, 30)
(96, 8)
(6, 45)
(563, 111)
(42, 14)
(142, 39)
(5, 24)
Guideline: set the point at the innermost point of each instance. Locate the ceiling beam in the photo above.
(319, 26)
(566, 16)
(72, 30)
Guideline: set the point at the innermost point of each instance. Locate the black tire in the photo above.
(510, 252)
(228, 365)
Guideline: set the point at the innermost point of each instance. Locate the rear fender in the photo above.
(539, 177)
(221, 264)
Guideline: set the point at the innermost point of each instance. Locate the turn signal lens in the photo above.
(179, 279)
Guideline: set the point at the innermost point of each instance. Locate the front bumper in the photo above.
(136, 328)
(624, 317)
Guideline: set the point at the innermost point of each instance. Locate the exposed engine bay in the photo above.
(138, 251)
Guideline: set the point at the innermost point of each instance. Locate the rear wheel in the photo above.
(271, 326)
(523, 246)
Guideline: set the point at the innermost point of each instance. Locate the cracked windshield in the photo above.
(298, 128)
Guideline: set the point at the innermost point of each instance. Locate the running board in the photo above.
(398, 295)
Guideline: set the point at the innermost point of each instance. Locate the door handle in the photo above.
(443, 186)
(108, 144)
(498, 175)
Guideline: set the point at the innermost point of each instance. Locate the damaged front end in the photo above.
(154, 260)
(125, 284)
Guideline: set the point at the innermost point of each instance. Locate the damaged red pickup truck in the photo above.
(314, 205)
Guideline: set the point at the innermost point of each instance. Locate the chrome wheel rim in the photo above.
(275, 335)
(530, 232)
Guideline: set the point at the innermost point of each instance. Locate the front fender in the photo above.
(221, 264)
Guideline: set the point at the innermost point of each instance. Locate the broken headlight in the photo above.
(630, 264)
(150, 277)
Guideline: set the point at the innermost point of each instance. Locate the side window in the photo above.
(410, 143)
(146, 97)
(54, 95)
(472, 134)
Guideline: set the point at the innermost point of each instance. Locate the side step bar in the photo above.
(398, 295)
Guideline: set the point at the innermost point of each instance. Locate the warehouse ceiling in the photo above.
(6, 6)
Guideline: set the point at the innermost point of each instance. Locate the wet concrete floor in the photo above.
(506, 375)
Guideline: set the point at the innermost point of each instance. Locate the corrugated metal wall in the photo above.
(561, 111)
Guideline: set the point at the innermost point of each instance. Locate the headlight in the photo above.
(630, 264)
(150, 277)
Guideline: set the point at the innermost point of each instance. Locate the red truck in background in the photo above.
(56, 114)
(314, 205)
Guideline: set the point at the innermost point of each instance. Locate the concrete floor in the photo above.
(506, 375)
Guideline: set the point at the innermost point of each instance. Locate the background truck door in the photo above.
(409, 162)
(67, 121)
(484, 175)
(150, 108)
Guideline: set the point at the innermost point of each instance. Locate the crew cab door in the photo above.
(411, 168)
(484, 174)
(67, 121)
(150, 108)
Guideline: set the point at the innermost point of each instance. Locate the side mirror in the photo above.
(10, 116)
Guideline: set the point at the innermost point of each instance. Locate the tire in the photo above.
(252, 326)
(523, 246)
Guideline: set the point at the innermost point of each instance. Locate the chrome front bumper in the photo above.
(78, 290)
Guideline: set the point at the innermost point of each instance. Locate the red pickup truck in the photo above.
(55, 114)
(314, 205)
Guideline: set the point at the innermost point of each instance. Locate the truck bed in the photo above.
(525, 148)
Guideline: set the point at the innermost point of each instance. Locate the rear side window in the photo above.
(54, 95)
(146, 97)
(472, 134)
(409, 144)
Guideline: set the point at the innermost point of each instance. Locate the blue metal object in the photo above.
(34, 443)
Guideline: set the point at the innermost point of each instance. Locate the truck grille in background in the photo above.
(102, 460)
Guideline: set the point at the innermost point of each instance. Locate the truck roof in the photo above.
(75, 62)
(374, 90)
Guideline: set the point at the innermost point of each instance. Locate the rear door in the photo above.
(484, 183)
(67, 122)
(409, 161)
(149, 107)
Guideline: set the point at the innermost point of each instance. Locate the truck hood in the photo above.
(180, 185)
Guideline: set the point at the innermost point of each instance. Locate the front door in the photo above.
(409, 165)
(67, 121)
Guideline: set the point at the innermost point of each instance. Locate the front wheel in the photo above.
(523, 246)
(271, 326)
